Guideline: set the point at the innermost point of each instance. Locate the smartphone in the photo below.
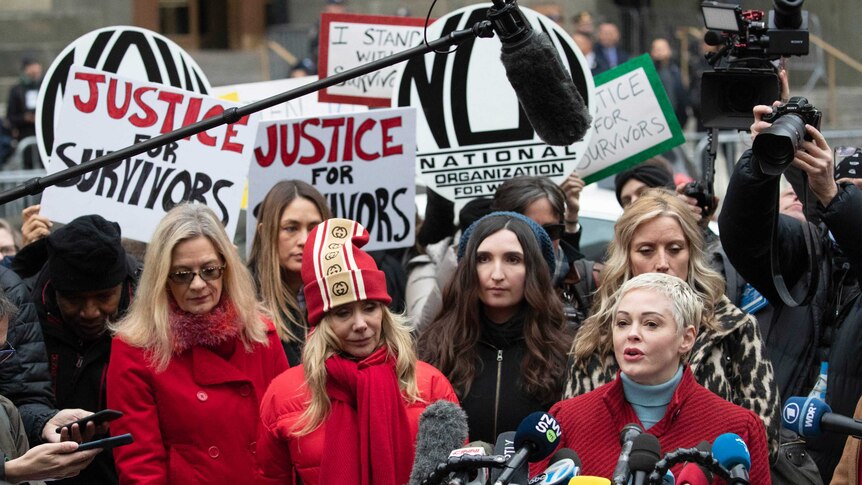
(848, 162)
(98, 418)
(107, 443)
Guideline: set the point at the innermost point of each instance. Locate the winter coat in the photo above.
(730, 361)
(592, 422)
(830, 327)
(282, 457)
(24, 378)
(847, 471)
(197, 421)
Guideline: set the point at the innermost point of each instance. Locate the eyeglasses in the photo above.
(555, 231)
(207, 274)
(6, 352)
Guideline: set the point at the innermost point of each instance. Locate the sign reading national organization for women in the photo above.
(103, 112)
(471, 131)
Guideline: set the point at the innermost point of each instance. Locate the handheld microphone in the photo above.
(505, 446)
(811, 417)
(627, 435)
(694, 473)
(564, 465)
(479, 476)
(732, 453)
(643, 457)
(442, 428)
(535, 439)
(545, 90)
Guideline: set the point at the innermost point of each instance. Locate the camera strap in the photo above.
(813, 250)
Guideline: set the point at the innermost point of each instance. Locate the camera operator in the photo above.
(825, 334)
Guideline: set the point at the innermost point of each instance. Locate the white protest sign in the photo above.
(364, 164)
(351, 40)
(472, 134)
(103, 112)
(301, 107)
(634, 120)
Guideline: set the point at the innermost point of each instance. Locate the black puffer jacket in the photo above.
(24, 379)
(830, 328)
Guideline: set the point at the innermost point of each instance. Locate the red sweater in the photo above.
(592, 422)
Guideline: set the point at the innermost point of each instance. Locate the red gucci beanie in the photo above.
(335, 271)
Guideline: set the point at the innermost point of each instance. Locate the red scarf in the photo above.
(367, 440)
(208, 330)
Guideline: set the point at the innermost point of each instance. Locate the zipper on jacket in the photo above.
(80, 361)
(497, 392)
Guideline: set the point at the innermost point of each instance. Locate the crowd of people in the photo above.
(312, 360)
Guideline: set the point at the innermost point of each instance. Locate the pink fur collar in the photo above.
(208, 330)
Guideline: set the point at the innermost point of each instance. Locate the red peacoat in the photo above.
(281, 455)
(196, 422)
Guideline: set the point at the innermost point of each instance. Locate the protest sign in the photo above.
(301, 107)
(102, 112)
(128, 51)
(351, 40)
(472, 134)
(364, 164)
(634, 120)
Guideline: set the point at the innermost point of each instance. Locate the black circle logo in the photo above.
(335, 245)
(340, 288)
(335, 268)
(330, 256)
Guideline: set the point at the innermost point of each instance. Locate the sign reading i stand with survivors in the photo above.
(364, 164)
(103, 112)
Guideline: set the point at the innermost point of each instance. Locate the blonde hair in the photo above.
(323, 343)
(279, 300)
(594, 336)
(685, 305)
(147, 324)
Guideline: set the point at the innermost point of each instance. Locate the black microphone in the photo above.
(535, 439)
(442, 428)
(505, 446)
(472, 475)
(545, 90)
(643, 457)
(622, 474)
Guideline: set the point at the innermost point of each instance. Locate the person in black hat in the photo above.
(87, 282)
(629, 183)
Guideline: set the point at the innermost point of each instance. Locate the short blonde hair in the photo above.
(147, 323)
(686, 307)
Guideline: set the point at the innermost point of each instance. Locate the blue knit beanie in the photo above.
(546, 246)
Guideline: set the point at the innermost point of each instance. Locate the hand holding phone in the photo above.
(97, 418)
(107, 443)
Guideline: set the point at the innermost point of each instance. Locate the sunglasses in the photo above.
(207, 274)
(555, 231)
(6, 352)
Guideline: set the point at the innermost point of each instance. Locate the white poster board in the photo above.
(103, 112)
(350, 40)
(364, 164)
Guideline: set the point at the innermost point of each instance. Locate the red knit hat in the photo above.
(335, 271)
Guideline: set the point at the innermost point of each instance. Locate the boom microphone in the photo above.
(442, 428)
(811, 417)
(535, 439)
(564, 465)
(731, 452)
(643, 457)
(627, 435)
(506, 446)
(545, 90)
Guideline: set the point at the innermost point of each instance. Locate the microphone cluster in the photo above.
(443, 426)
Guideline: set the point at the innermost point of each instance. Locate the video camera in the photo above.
(743, 74)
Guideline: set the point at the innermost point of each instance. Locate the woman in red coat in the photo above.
(349, 414)
(191, 359)
(655, 321)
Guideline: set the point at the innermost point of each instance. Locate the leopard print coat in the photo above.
(730, 361)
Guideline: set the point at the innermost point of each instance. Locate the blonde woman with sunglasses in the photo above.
(191, 359)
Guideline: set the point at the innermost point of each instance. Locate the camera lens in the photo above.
(775, 147)
(788, 13)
